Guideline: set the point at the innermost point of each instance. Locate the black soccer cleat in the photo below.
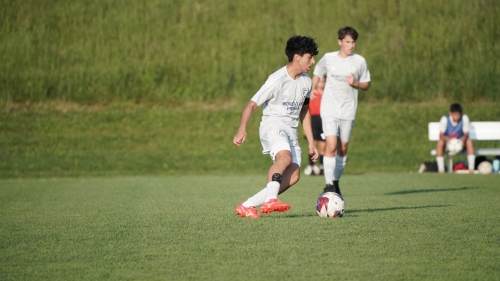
(328, 188)
(336, 187)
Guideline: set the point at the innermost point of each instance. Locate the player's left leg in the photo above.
(471, 157)
(321, 150)
(440, 145)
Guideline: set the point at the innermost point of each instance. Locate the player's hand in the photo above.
(315, 94)
(351, 80)
(239, 138)
(314, 152)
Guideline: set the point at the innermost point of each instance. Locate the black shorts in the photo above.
(317, 127)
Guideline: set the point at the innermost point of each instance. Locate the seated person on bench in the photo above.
(454, 125)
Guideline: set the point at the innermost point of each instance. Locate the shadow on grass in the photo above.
(429, 190)
(395, 208)
(350, 212)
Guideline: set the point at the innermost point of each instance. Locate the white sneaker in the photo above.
(308, 170)
(316, 170)
(422, 169)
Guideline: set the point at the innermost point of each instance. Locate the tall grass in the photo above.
(177, 51)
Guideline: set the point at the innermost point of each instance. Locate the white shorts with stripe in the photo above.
(337, 127)
(275, 138)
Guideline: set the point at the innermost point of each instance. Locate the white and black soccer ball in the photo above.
(454, 146)
(330, 205)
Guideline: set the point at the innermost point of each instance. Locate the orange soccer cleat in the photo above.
(247, 212)
(274, 205)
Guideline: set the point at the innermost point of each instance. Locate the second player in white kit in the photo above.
(345, 73)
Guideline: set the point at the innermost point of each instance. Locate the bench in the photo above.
(479, 131)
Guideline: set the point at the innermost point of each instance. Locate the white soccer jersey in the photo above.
(340, 99)
(283, 97)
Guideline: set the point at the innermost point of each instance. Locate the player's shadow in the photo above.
(394, 208)
(351, 213)
(402, 192)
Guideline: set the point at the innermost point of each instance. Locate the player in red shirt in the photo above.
(317, 129)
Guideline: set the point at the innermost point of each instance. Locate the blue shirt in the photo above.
(454, 131)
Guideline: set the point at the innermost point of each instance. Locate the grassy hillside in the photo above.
(71, 140)
(175, 52)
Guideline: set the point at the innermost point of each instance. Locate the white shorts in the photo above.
(337, 127)
(275, 138)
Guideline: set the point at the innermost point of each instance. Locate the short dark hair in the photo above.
(300, 45)
(344, 31)
(455, 107)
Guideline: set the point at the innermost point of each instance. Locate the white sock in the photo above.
(256, 200)
(328, 168)
(339, 167)
(272, 190)
(471, 159)
(440, 162)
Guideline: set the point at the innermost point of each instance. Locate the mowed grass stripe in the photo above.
(397, 226)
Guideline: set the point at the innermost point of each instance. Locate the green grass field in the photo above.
(116, 160)
(65, 139)
(397, 227)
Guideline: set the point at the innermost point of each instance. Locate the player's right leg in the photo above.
(276, 141)
(345, 130)
(282, 160)
(290, 177)
(330, 131)
(440, 155)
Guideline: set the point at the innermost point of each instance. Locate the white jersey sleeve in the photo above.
(320, 69)
(266, 92)
(443, 123)
(364, 73)
(465, 123)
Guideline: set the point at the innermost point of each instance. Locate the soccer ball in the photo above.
(454, 146)
(330, 205)
(485, 167)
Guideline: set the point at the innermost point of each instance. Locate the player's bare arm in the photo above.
(355, 83)
(305, 118)
(464, 138)
(241, 135)
(444, 137)
(315, 82)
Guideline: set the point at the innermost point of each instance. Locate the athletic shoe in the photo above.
(328, 188)
(274, 205)
(308, 170)
(247, 212)
(316, 170)
(336, 187)
(422, 169)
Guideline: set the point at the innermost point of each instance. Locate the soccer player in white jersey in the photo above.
(285, 96)
(455, 125)
(345, 73)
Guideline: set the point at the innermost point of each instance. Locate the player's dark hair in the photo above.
(344, 31)
(300, 45)
(455, 107)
